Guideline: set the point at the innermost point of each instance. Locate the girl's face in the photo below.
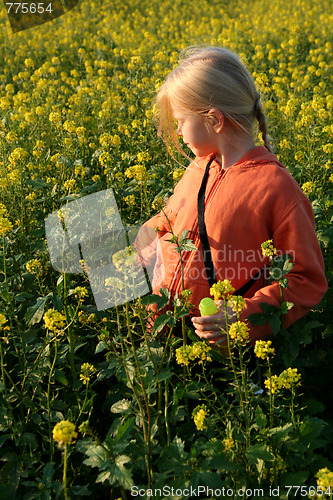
(195, 134)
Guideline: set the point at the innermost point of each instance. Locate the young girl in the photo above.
(232, 197)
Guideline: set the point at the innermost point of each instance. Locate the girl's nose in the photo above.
(179, 131)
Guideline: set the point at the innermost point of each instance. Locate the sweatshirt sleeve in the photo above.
(307, 284)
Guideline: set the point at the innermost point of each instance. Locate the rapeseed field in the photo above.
(90, 405)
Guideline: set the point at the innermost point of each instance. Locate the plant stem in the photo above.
(64, 475)
(271, 396)
(48, 391)
(245, 389)
(166, 413)
(70, 333)
(231, 354)
(147, 437)
(292, 404)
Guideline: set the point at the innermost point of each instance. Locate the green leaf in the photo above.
(48, 473)
(184, 234)
(29, 439)
(121, 460)
(314, 406)
(164, 375)
(281, 433)
(288, 266)
(208, 478)
(35, 313)
(160, 323)
(120, 474)
(260, 417)
(286, 306)
(101, 346)
(160, 300)
(310, 430)
(81, 491)
(4, 438)
(275, 323)
(21, 297)
(284, 282)
(188, 246)
(121, 406)
(328, 332)
(38, 183)
(96, 456)
(61, 377)
(295, 478)
(259, 451)
(103, 476)
(124, 430)
(92, 188)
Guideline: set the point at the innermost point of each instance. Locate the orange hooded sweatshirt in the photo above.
(254, 200)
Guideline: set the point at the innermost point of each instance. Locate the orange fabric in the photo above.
(254, 200)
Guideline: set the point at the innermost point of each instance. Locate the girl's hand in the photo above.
(209, 327)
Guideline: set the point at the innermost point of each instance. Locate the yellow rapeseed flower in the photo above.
(325, 479)
(228, 444)
(64, 432)
(69, 126)
(272, 384)
(130, 200)
(199, 415)
(178, 174)
(54, 320)
(268, 249)
(236, 303)
(138, 172)
(263, 349)
(308, 188)
(18, 154)
(69, 184)
(239, 332)
(197, 351)
(105, 140)
(55, 117)
(87, 371)
(289, 378)
(104, 158)
(5, 226)
(34, 266)
(221, 289)
(80, 292)
(3, 320)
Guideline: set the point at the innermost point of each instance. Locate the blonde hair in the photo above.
(207, 78)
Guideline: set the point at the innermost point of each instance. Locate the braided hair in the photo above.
(262, 122)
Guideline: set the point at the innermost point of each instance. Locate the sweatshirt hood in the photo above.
(255, 156)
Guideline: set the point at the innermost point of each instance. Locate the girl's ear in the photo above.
(216, 119)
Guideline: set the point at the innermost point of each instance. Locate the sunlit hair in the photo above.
(207, 78)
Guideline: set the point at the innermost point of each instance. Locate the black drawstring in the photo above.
(210, 271)
(209, 266)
